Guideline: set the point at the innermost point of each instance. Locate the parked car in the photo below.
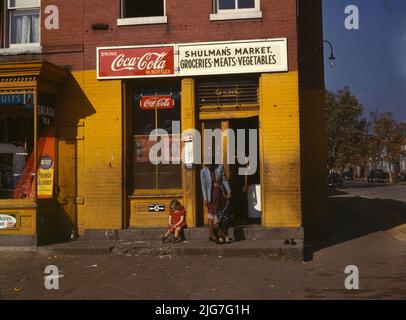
(377, 175)
(335, 181)
(348, 176)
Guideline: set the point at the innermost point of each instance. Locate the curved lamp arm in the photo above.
(332, 58)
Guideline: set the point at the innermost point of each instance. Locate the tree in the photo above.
(346, 130)
(389, 138)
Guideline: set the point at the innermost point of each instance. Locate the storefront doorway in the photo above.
(237, 133)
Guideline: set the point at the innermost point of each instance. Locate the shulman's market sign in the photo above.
(193, 59)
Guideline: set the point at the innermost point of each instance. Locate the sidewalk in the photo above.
(273, 249)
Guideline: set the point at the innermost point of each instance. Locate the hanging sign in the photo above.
(157, 102)
(135, 62)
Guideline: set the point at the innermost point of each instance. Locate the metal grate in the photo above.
(228, 92)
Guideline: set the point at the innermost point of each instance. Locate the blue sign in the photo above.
(26, 99)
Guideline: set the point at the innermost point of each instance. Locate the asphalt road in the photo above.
(363, 220)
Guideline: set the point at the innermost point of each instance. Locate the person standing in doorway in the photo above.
(215, 187)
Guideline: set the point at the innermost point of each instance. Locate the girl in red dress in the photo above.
(177, 221)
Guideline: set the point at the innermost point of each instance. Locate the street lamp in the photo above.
(332, 58)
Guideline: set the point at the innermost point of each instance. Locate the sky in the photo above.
(371, 60)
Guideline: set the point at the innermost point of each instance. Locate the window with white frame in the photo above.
(20, 22)
(236, 9)
(142, 12)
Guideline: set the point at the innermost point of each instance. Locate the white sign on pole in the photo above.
(233, 57)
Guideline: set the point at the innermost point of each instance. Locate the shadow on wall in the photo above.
(73, 107)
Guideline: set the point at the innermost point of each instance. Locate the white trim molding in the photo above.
(141, 21)
(21, 49)
(236, 15)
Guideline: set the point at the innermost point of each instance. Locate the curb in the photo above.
(274, 253)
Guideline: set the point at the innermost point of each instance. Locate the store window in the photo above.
(16, 145)
(20, 23)
(142, 12)
(236, 9)
(156, 107)
(19, 168)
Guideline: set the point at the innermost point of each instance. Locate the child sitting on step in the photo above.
(177, 221)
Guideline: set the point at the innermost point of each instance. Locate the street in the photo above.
(368, 232)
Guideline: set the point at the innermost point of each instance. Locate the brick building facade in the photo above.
(96, 181)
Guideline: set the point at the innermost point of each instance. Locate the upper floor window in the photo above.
(134, 12)
(236, 9)
(21, 22)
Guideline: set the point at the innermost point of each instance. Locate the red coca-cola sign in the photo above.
(135, 62)
(157, 102)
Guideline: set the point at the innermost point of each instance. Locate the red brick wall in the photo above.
(188, 22)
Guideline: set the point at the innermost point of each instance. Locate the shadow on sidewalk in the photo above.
(352, 217)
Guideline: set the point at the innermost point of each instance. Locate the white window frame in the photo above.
(235, 14)
(18, 48)
(141, 20)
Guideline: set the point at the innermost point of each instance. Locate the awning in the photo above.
(31, 75)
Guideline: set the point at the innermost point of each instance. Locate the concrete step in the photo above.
(250, 232)
(271, 249)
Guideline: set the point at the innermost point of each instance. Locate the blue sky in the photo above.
(371, 60)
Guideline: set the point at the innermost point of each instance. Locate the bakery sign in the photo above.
(193, 59)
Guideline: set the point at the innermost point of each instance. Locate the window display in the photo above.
(16, 146)
(155, 107)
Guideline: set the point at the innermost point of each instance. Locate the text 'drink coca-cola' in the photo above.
(133, 62)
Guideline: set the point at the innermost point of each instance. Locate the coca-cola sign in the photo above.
(135, 62)
(157, 102)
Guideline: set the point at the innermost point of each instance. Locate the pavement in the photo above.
(365, 226)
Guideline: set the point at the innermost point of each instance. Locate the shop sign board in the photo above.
(193, 59)
(19, 98)
(135, 62)
(233, 57)
(157, 102)
(8, 221)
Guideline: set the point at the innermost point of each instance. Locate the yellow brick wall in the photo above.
(189, 178)
(280, 150)
(97, 106)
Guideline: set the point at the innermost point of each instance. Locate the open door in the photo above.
(213, 125)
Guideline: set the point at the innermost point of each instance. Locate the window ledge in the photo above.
(141, 21)
(23, 49)
(236, 15)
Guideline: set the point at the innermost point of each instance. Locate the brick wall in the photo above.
(188, 22)
(280, 150)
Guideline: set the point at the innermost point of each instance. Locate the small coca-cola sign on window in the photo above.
(157, 102)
